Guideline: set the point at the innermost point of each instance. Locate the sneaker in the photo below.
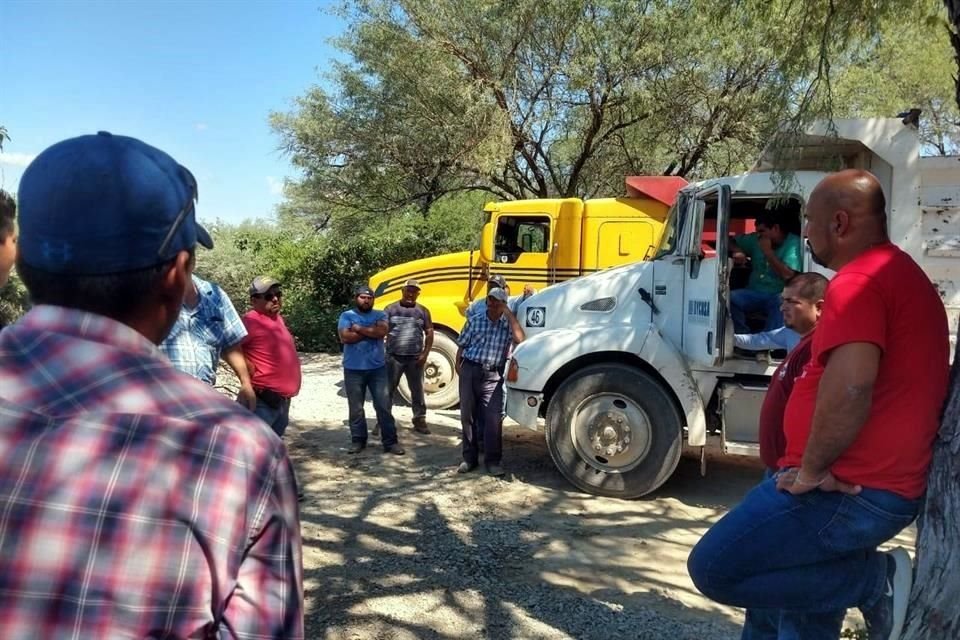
(885, 619)
(395, 449)
(420, 425)
(356, 447)
(495, 470)
(466, 467)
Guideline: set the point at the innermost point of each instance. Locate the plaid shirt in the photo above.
(201, 334)
(134, 499)
(486, 341)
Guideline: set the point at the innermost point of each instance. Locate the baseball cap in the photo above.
(498, 293)
(262, 284)
(412, 283)
(498, 280)
(101, 204)
(363, 290)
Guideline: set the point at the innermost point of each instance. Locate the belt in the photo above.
(485, 367)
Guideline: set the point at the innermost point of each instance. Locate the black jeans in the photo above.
(481, 401)
(398, 366)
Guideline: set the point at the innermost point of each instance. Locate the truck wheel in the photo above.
(612, 430)
(441, 385)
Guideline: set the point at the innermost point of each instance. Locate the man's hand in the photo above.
(796, 482)
(765, 245)
(247, 397)
(422, 359)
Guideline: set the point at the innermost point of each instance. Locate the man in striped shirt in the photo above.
(484, 344)
(137, 501)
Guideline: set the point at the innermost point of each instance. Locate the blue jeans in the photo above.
(807, 558)
(744, 301)
(356, 382)
(278, 418)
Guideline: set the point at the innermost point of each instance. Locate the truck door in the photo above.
(705, 279)
(522, 248)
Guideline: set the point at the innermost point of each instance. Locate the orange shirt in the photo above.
(884, 298)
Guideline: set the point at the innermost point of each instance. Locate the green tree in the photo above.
(530, 99)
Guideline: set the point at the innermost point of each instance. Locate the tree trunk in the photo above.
(934, 613)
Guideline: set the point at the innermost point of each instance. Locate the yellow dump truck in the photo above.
(536, 242)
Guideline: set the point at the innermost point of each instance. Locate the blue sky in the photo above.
(197, 79)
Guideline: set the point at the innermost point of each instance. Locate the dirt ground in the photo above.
(404, 547)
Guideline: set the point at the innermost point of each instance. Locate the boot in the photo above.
(420, 425)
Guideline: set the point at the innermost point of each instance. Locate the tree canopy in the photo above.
(531, 100)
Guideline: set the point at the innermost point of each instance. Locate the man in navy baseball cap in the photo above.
(101, 216)
(100, 431)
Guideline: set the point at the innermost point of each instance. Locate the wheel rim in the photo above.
(611, 432)
(438, 373)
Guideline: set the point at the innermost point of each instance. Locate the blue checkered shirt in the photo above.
(486, 341)
(201, 334)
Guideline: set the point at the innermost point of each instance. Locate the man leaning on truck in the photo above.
(860, 426)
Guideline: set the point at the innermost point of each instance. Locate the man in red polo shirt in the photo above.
(860, 426)
(271, 354)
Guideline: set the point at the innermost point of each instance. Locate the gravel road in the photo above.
(404, 547)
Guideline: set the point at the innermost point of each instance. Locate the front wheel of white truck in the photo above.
(613, 430)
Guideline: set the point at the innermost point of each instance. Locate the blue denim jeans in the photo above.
(744, 301)
(807, 558)
(278, 418)
(356, 382)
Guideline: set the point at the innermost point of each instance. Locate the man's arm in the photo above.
(844, 399)
(779, 267)
(427, 338)
(267, 601)
(233, 356)
(458, 360)
(781, 338)
(349, 336)
(376, 331)
(515, 329)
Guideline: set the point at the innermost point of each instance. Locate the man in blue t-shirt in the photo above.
(775, 256)
(361, 331)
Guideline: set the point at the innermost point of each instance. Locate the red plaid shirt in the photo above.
(134, 500)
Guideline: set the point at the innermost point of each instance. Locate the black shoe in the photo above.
(356, 447)
(885, 619)
(466, 467)
(420, 425)
(395, 449)
(495, 470)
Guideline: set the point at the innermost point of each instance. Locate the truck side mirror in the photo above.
(486, 242)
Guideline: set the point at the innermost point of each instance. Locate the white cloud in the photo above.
(16, 159)
(275, 185)
(201, 126)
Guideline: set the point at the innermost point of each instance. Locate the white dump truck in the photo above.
(626, 365)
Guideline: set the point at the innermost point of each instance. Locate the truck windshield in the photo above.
(671, 232)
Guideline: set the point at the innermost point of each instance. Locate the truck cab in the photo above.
(537, 242)
(626, 365)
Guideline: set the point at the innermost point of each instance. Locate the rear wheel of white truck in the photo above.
(613, 430)
(441, 385)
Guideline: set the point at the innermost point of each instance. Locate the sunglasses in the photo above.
(269, 296)
(182, 215)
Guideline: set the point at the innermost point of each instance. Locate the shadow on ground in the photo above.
(406, 548)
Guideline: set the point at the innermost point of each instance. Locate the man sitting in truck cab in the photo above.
(776, 255)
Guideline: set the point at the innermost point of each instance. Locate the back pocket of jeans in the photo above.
(860, 524)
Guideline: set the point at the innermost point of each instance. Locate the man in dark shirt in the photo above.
(409, 339)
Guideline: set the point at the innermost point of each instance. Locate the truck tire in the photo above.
(613, 430)
(441, 384)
